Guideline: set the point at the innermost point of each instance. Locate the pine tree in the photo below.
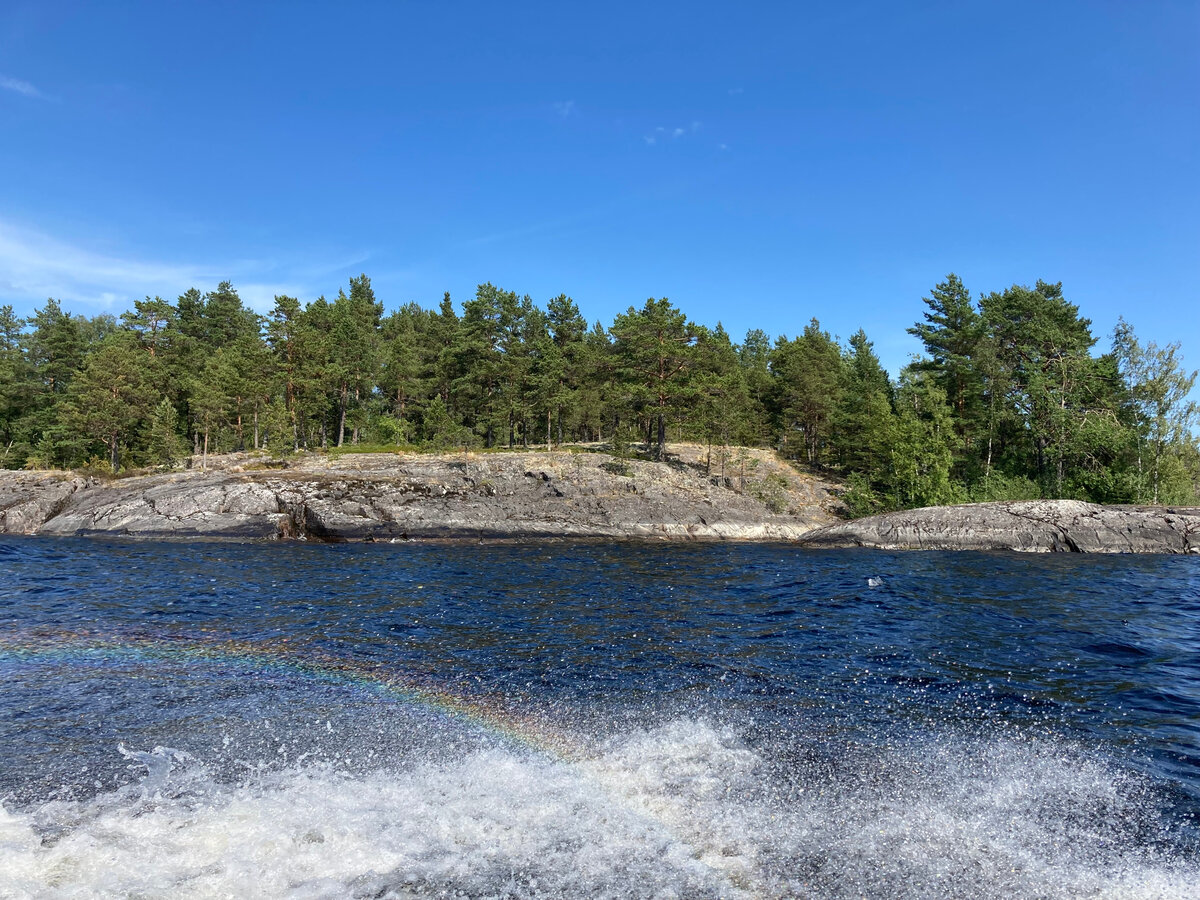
(1043, 342)
(951, 333)
(656, 348)
(111, 394)
(722, 404)
(863, 419)
(808, 378)
(151, 321)
(921, 444)
(164, 445)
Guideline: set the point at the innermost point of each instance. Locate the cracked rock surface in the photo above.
(396, 496)
(1033, 526)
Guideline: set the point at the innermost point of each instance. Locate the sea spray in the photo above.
(685, 809)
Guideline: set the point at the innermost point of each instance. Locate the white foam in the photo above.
(683, 810)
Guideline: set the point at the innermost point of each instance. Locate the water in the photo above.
(586, 719)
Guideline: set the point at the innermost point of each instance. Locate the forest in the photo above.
(1010, 400)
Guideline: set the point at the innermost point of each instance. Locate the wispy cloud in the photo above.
(24, 88)
(565, 108)
(674, 134)
(34, 266)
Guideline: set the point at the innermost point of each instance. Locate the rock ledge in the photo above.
(391, 496)
(1039, 526)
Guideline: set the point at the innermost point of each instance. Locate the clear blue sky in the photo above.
(759, 164)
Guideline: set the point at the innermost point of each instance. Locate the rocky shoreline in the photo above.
(561, 494)
(1033, 526)
(391, 496)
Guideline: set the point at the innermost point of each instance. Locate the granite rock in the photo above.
(1030, 526)
(400, 496)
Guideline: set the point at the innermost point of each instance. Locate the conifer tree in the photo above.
(655, 347)
(111, 394)
(808, 377)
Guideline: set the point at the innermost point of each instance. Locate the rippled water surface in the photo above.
(590, 719)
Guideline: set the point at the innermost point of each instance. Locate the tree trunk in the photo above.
(357, 398)
(1157, 455)
(114, 445)
(547, 431)
(661, 450)
(343, 396)
(204, 458)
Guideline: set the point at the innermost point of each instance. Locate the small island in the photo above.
(333, 421)
(580, 493)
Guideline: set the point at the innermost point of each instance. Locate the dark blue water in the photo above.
(591, 719)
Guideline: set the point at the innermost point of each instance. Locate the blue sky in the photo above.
(759, 164)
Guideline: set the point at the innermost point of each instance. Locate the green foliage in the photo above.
(280, 440)
(110, 396)
(1009, 401)
(164, 446)
(808, 388)
(1157, 389)
(921, 445)
(860, 497)
(771, 491)
(655, 349)
(998, 486)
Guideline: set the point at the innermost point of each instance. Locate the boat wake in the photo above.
(682, 809)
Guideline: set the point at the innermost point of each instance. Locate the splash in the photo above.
(523, 733)
(284, 657)
(683, 809)
(936, 821)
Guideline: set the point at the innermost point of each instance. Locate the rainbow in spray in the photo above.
(82, 648)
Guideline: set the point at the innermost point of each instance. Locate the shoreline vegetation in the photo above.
(748, 495)
(1009, 402)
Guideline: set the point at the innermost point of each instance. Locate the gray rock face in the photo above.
(1031, 526)
(29, 499)
(391, 496)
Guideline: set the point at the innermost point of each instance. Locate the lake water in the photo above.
(594, 720)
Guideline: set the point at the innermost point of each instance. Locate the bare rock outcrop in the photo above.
(1030, 526)
(30, 499)
(399, 496)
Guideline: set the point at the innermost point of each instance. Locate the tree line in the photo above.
(1009, 400)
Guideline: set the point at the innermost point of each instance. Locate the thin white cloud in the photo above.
(673, 133)
(565, 108)
(35, 266)
(18, 86)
